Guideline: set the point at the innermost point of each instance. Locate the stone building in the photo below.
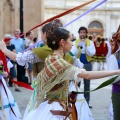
(103, 21)
(10, 16)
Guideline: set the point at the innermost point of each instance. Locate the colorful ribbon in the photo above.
(60, 15)
(104, 84)
(3, 58)
(91, 9)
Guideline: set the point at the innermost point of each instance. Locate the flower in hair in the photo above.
(53, 42)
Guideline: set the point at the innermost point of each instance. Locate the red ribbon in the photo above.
(3, 58)
(60, 15)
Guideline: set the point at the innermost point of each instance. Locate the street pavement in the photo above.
(100, 100)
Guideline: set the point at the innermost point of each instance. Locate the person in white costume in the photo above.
(115, 60)
(8, 106)
(84, 49)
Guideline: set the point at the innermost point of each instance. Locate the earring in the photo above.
(62, 52)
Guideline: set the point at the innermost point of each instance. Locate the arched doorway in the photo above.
(95, 27)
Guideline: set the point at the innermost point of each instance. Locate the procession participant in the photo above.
(104, 52)
(13, 73)
(81, 104)
(8, 106)
(115, 60)
(53, 80)
(84, 49)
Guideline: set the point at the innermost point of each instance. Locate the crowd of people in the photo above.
(58, 63)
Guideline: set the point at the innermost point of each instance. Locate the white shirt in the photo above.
(89, 50)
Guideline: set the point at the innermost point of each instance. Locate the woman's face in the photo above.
(43, 37)
(68, 44)
(31, 35)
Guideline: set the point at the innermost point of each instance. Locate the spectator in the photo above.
(13, 73)
(28, 42)
(19, 46)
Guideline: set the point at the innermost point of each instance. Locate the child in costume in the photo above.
(8, 106)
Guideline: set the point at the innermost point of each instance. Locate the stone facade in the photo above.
(104, 20)
(9, 16)
(33, 11)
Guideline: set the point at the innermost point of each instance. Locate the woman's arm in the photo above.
(9, 54)
(97, 74)
(20, 58)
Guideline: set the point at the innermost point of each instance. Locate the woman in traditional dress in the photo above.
(52, 102)
(8, 106)
(115, 60)
(81, 103)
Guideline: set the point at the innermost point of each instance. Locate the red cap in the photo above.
(7, 39)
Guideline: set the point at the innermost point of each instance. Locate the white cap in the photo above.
(7, 36)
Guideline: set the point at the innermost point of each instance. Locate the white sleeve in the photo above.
(112, 64)
(9, 64)
(78, 63)
(109, 50)
(74, 50)
(90, 50)
(27, 57)
(72, 73)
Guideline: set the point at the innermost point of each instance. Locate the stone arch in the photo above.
(95, 24)
(96, 27)
(10, 3)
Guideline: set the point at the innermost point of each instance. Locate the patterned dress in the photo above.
(52, 88)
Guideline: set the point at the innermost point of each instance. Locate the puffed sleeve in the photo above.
(78, 63)
(72, 73)
(27, 57)
(112, 64)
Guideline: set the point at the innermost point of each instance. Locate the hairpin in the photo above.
(53, 42)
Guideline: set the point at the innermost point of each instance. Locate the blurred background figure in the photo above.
(29, 42)
(13, 73)
(101, 52)
(19, 47)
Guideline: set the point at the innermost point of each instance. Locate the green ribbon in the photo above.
(1, 69)
(32, 100)
(104, 84)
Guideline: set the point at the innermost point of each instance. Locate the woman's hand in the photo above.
(4, 74)
(2, 45)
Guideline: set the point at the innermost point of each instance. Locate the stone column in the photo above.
(33, 13)
(1, 19)
(16, 15)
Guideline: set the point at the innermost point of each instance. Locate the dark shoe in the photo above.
(29, 83)
(90, 107)
(18, 90)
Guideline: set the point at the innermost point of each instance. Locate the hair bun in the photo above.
(55, 35)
